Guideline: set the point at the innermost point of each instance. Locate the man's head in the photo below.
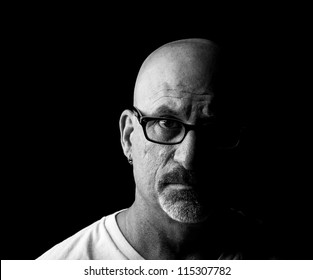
(171, 159)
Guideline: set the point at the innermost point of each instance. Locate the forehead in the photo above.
(179, 76)
(186, 105)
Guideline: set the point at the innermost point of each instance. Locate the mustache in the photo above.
(179, 175)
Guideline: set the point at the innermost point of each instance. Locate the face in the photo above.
(175, 179)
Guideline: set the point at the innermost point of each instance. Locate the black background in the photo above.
(71, 71)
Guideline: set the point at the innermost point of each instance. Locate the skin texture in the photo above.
(172, 205)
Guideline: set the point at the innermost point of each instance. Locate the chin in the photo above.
(183, 207)
(184, 213)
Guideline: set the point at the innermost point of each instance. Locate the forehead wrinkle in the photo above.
(183, 91)
(170, 96)
(183, 97)
(186, 108)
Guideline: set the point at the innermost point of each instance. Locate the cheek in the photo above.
(155, 156)
(163, 155)
(146, 153)
(144, 157)
(149, 160)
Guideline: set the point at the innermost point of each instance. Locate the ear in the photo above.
(126, 129)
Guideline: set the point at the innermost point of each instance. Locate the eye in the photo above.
(169, 124)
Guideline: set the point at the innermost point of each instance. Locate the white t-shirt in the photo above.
(102, 240)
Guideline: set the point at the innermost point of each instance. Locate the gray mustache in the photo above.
(179, 176)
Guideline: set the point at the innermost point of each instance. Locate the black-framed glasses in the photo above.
(171, 131)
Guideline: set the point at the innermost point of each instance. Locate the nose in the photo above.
(186, 151)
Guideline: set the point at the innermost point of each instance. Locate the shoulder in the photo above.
(92, 242)
(77, 245)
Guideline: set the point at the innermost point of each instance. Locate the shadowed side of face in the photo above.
(176, 82)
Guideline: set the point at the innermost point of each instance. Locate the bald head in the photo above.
(177, 68)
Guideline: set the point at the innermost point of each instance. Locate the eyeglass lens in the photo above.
(171, 131)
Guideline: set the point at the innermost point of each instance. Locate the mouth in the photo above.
(178, 179)
(180, 186)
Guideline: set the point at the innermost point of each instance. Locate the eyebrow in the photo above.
(165, 111)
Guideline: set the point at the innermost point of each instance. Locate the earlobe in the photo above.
(126, 129)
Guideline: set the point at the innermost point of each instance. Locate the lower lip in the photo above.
(180, 186)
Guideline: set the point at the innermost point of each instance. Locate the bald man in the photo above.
(176, 140)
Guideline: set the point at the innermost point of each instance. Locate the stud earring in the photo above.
(130, 160)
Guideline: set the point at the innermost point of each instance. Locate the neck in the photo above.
(157, 236)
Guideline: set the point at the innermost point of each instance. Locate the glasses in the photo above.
(171, 131)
